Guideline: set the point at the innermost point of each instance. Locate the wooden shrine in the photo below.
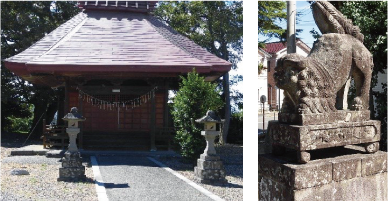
(116, 62)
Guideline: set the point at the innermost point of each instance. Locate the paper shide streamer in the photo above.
(128, 104)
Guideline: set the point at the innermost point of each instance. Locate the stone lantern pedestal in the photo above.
(209, 169)
(72, 168)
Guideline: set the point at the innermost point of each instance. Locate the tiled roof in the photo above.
(275, 47)
(272, 48)
(117, 41)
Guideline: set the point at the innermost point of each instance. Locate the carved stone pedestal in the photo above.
(210, 170)
(311, 137)
(72, 168)
(352, 176)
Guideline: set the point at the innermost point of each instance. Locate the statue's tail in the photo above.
(330, 20)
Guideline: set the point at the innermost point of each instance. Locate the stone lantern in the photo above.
(72, 168)
(209, 168)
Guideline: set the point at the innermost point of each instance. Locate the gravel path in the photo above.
(232, 157)
(42, 183)
(138, 178)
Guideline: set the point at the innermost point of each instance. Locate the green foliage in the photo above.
(260, 67)
(11, 106)
(315, 33)
(236, 128)
(371, 17)
(24, 23)
(381, 114)
(19, 124)
(214, 25)
(191, 102)
(217, 26)
(269, 12)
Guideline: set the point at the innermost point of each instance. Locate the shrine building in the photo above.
(117, 63)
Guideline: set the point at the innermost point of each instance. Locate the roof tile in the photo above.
(116, 38)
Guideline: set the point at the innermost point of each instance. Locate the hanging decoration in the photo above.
(108, 105)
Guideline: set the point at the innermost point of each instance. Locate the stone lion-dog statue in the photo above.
(319, 83)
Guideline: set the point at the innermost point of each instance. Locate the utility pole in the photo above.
(291, 21)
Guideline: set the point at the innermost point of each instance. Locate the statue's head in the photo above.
(287, 69)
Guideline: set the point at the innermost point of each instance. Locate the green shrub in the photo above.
(191, 102)
(21, 123)
(235, 135)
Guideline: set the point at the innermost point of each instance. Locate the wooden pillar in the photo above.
(165, 114)
(61, 106)
(81, 125)
(44, 134)
(153, 122)
(67, 90)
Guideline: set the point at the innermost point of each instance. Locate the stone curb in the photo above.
(28, 152)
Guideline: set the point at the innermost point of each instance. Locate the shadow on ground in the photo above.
(17, 140)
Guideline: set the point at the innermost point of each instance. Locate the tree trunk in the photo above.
(225, 129)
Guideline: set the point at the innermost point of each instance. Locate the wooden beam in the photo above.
(103, 90)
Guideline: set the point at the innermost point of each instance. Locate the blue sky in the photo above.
(305, 22)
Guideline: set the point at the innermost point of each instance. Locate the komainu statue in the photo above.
(315, 114)
(319, 83)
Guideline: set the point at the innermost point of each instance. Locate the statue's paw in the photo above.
(357, 104)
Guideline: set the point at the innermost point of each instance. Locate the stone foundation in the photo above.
(210, 170)
(72, 168)
(335, 174)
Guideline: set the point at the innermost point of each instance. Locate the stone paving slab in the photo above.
(138, 178)
(29, 150)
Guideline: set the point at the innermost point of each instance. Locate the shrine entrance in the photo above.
(117, 115)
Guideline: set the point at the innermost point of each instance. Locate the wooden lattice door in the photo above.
(106, 117)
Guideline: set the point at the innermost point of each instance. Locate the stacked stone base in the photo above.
(210, 170)
(72, 168)
(353, 177)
